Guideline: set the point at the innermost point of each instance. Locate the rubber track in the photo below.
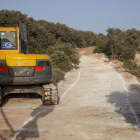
(51, 94)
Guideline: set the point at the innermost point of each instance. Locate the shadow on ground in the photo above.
(30, 129)
(124, 107)
(7, 97)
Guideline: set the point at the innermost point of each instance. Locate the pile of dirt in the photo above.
(89, 50)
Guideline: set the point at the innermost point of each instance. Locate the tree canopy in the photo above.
(42, 33)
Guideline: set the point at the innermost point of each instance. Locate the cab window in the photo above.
(8, 40)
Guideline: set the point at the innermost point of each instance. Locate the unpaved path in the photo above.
(96, 103)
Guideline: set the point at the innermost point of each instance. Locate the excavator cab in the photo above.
(9, 42)
(21, 72)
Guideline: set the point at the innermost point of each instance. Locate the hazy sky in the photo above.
(87, 15)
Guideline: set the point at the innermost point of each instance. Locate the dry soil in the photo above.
(98, 101)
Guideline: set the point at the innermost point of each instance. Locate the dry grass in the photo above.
(89, 50)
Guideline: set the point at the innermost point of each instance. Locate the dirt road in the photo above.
(96, 103)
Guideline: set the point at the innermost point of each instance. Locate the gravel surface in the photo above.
(97, 102)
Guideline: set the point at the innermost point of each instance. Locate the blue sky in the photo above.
(87, 15)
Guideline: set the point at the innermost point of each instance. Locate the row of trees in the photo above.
(42, 34)
(119, 44)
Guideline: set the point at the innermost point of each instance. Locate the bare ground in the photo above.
(96, 103)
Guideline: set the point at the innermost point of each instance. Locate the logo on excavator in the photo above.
(7, 45)
(21, 63)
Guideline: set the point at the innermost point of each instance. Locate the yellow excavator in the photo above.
(21, 72)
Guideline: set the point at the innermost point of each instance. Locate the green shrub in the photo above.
(97, 50)
(132, 67)
(68, 49)
(94, 43)
(122, 44)
(129, 64)
(61, 60)
(100, 48)
(58, 75)
(127, 53)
